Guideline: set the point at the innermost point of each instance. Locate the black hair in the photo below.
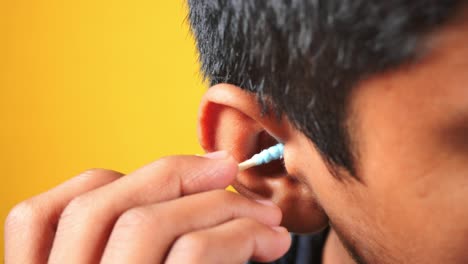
(305, 56)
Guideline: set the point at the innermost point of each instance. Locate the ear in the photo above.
(231, 119)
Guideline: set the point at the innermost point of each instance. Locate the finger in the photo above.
(144, 234)
(236, 241)
(88, 220)
(30, 226)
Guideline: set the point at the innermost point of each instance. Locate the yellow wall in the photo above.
(109, 83)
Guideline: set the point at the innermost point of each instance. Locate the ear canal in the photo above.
(272, 169)
(265, 140)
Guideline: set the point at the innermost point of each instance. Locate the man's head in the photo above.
(372, 108)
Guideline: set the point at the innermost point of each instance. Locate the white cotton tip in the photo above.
(264, 157)
(247, 164)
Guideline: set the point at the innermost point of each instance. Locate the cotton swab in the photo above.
(265, 156)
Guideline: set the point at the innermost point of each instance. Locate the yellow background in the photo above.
(109, 83)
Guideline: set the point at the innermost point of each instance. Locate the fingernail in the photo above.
(279, 229)
(266, 202)
(222, 154)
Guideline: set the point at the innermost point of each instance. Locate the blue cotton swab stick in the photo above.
(264, 157)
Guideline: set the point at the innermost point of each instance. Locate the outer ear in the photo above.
(230, 119)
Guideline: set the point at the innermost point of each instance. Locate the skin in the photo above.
(407, 205)
(409, 130)
(100, 216)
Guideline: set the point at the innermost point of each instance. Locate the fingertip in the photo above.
(277, 247)
(229, 169)
(280, 229)
(222, 154)
(226, 159)
(285, 242)
(284, 239)
(212, 173)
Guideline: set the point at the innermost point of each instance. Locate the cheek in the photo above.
(413, 159)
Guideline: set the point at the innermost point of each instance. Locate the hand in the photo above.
(174, 210)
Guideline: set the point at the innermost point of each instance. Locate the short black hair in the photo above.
(305, 56)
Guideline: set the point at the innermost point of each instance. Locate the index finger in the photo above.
(87, 222)
(183, 175)
(175, 176)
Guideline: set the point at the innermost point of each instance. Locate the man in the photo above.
(369, 99)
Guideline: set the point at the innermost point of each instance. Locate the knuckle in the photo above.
(247, 227)
(248, 223)
(96, 172)
(225, 196)
(78, 210)
(23, 215)
(135, 217)
(276, 212)
(78, 203)
(193, 245)
(91, 172)
(76, 207)
(167, 163)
